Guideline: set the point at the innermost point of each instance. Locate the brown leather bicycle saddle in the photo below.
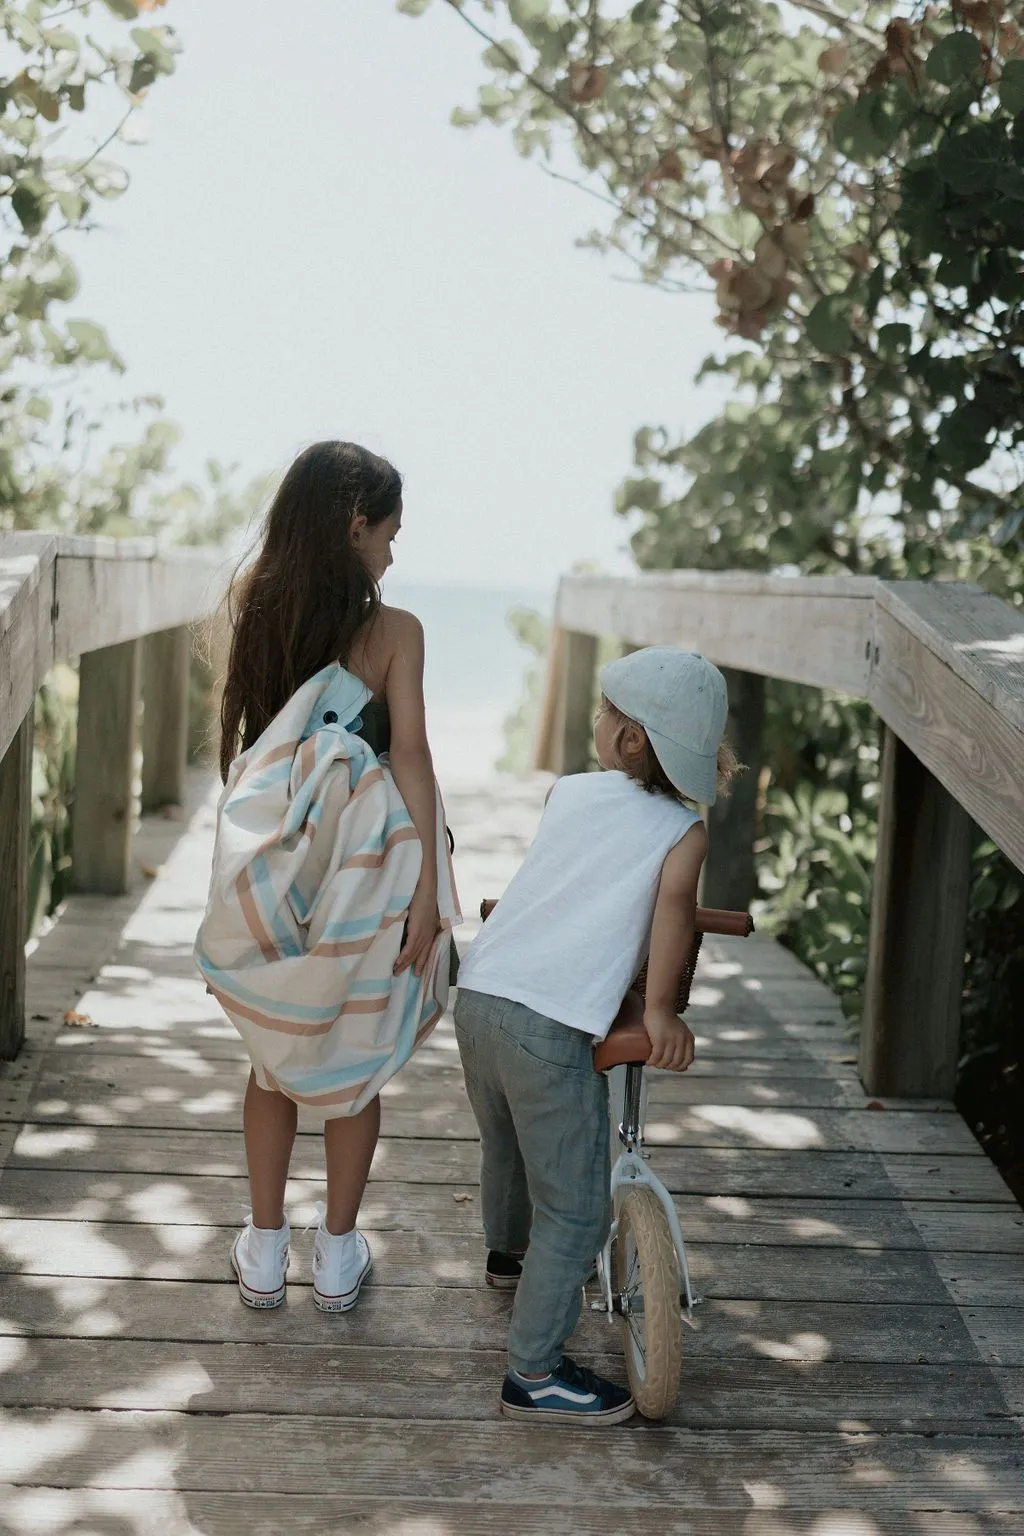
(627, 1042)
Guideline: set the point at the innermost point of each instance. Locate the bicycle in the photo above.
(642, 1272)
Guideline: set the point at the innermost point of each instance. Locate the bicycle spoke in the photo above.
(637, 1338)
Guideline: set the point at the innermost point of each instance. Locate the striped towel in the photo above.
(315, 863)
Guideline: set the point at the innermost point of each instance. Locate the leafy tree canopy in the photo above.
(849, 184)
(74, 73)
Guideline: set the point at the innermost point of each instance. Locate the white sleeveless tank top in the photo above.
(574, 926)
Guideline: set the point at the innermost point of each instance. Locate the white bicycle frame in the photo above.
(631, 1170)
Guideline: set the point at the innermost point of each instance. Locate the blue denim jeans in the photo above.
(543, 1117)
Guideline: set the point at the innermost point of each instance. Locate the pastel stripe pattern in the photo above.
(315, 863)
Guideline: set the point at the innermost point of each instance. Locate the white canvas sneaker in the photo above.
(259, 1258)
(340, 1265)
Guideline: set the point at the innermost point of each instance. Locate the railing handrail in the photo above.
(64, 595)
(942, 663)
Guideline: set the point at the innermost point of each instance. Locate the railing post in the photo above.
(576, 705)
(104, 808)
(15, 811)
(729, 877)
(165, 668)
(911, 1027)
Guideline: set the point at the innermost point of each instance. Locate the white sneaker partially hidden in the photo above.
(340, 1265)
(259, 1258)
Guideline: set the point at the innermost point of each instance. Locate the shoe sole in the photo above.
(259, 1301)
(574, 1418)
(348, 1299)
(502, 1282)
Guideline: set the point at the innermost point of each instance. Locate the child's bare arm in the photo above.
(413, 771)
(671, 942)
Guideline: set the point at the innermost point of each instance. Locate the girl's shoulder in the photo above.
(399, 624)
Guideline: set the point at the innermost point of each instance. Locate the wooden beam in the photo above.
(911, 1027)
(104, 806)
(109, 590)
(15, 813)
(576, 707)
(543, 754)
(729, 878)
(970, 742)
(165, 692)
(805, 630)
(27, 563)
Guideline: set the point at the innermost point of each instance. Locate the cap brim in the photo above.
(692, 773)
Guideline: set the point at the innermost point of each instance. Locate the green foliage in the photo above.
(852, 184)
(70, 87)
(53, 780)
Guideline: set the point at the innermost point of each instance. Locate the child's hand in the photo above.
(421, 929)
(672, 1041)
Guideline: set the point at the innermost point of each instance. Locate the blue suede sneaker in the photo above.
(570, 1394)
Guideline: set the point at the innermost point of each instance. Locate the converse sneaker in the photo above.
(570, 1394)
(340, 1265)
(259, 1258)
(504, 1270)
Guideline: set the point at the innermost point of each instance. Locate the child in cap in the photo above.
(609, 880)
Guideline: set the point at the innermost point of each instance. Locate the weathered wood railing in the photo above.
(942, 663)
(125, 610)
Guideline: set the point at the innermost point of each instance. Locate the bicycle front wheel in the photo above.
(646, 1281)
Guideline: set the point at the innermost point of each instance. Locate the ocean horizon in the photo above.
(475, 671)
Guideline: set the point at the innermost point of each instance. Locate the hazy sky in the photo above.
(309, 249)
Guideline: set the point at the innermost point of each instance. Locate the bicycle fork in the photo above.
(630, 1170)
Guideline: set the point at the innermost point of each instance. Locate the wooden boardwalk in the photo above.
(859, 1366)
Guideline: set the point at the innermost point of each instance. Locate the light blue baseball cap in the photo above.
(681, 701)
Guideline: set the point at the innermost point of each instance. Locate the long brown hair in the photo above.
(298, 606)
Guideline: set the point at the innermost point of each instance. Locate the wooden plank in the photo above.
(695, 1170)
(974, 750)
(215, 1105)
(112, 590)
(165, 697)
(799, 1326)
(659, 1466)
(15, 817)
(912, 996)
(974, 633)
(335, 1378)
(26, 626)
(389, 1206)
(104, 810)
(752, 623)
(165, 1512)
(412, 1260)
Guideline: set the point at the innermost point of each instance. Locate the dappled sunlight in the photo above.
(763, 1128)
(172, 1387)
(59, 1435)
(703, 996)
(14, 1353)
(34, 1141)
(804, 1348)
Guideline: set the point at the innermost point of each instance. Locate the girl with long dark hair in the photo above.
(327, 937)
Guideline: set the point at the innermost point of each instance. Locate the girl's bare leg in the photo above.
(269, 1120)
(349, 1144)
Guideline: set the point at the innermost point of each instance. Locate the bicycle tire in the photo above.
(646, 1268)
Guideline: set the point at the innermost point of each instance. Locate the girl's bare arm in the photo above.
(413, 771)
(671, 941)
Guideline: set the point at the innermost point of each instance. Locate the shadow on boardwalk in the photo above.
(859, 1366)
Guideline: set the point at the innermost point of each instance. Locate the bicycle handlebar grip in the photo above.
(714, 920)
